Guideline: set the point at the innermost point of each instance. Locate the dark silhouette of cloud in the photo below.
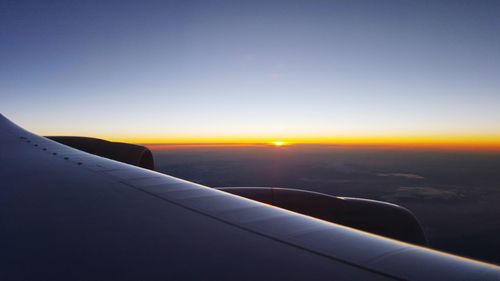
(425, 193)
(404, 175)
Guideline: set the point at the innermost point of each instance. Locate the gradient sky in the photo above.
(183, 71)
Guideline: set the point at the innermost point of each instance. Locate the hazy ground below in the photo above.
(455, 195)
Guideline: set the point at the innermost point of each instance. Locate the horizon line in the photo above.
(390, 146)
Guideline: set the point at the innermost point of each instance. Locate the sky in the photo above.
(254, 71)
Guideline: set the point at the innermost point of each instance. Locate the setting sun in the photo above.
(279, 143)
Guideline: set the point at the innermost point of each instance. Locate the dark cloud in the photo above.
(403, 175)
(425, 193)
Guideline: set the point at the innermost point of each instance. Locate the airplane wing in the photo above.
(69, 215)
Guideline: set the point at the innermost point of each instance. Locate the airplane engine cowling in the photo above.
(373, 216)
(136, 155)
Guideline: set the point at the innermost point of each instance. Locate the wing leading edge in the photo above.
(66, 214)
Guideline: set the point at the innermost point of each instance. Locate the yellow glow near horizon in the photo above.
(478, 142)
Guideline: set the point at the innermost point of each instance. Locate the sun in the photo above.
(279, 143)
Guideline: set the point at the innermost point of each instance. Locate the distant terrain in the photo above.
(455, 195)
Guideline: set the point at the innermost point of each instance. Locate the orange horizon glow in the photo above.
(476, 143)
(415, 147)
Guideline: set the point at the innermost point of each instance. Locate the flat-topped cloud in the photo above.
(421, 192)
(402, 175)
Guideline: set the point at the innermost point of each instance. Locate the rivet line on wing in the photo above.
(45, 149)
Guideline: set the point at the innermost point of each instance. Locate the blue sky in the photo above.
(277, 69)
